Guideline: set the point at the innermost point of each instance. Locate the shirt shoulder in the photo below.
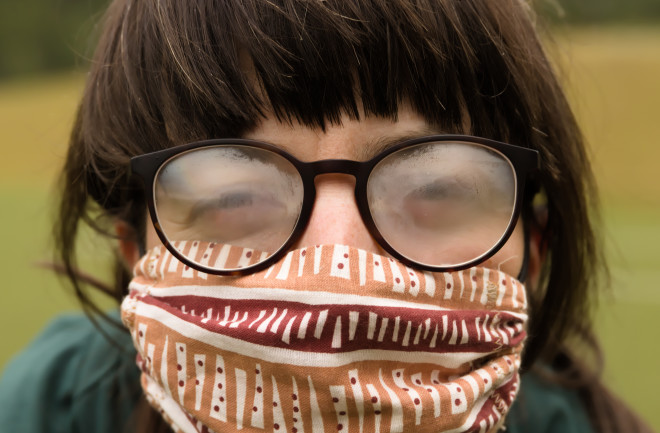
(547, 408)
(71, 378)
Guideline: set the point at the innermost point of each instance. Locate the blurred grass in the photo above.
(36, 116)
(612, 77)
(613, 81)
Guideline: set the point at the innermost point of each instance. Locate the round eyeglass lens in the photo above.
(228, 207)
(443, 203)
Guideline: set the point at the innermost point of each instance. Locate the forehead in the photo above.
(350, 138)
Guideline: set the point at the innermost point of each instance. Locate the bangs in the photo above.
(211, 69)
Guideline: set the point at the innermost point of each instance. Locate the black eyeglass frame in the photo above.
(524, 161)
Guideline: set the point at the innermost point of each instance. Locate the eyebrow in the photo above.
(372, 148)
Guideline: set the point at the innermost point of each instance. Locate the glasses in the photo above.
(235, 206)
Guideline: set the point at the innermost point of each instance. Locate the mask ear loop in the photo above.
(524, 268)
(534, 198)
(533, 192)
(142, 249)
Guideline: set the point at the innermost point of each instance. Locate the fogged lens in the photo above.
(228, 207)
(442, 203)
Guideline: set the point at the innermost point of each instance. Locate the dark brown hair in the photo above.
(167, 72)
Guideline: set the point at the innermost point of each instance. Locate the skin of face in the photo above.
(335, 218)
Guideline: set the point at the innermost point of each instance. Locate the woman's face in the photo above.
(335, 218)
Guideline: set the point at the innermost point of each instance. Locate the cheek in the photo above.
(510, 257)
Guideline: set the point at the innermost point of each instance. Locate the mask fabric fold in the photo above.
(330, 338)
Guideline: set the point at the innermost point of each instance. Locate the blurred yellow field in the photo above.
(613, 80)
(36, 116)
(613, 77)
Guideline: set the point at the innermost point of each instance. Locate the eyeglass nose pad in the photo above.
(334, 217)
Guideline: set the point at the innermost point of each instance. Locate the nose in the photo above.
(335, 217)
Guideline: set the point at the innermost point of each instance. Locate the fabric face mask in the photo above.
(331, 338)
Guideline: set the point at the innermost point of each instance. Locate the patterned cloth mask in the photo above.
(331, 338)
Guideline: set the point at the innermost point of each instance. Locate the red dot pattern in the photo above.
(353, 380)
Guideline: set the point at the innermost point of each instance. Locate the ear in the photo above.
(537, 248)
(128, 246)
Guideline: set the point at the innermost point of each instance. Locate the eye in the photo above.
(454, 188)
(442, 203)
(232, 200)
(437, 190)
(233, 205)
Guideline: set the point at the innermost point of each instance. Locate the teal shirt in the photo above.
(72, 379)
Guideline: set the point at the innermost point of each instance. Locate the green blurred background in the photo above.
(607, 52)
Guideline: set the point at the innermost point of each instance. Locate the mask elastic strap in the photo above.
(522, 276)
(142, 246)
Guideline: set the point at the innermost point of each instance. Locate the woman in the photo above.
(461, 164)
